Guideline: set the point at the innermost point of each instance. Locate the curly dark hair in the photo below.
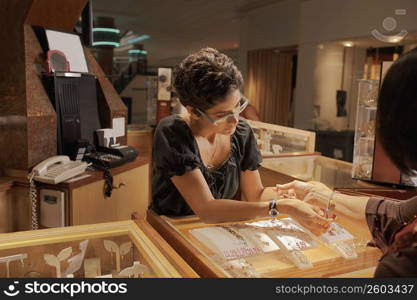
(203, 78)
(397, 111)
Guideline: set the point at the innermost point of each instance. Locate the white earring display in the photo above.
(11, 258)
(112, 247)
(55, 261)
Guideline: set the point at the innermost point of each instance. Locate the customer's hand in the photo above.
(306, 214)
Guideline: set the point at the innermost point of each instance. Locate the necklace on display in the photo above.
(210, 165)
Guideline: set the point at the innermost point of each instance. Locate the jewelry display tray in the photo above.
(326, 262)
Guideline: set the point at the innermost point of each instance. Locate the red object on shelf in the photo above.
(163, 109)
(57, 61)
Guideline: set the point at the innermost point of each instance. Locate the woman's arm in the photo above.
(319, 194)
(252, 189)
(194, 189)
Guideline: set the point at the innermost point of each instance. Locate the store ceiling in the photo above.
(178, 27)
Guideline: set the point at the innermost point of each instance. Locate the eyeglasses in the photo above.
(234, 114)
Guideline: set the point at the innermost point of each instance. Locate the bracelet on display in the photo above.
(330, 205)
(273, 211)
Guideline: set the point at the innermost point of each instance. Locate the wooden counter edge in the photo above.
(174, 258)
(198, 261)
(6, 183)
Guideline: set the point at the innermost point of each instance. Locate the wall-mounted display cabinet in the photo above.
(332, 172)
(275, 140)
(370, 161)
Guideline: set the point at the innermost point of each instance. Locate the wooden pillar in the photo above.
(27, 118)
(28, 125)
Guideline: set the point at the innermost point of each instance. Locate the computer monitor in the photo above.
(75, 101)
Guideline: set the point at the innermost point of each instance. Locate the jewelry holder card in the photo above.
(291, 238)
(337, 238)
(261, 239)
(291, 234)
(226, 241)
(336, 233)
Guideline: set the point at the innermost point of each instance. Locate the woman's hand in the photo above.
(307, 191)
(306, 214)
(296, 188)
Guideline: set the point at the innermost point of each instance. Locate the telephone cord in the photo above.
(34, 203)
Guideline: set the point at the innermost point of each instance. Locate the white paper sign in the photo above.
(70, 45)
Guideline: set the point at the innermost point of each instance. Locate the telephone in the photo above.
(111, 157)
(52, 170)
(57, 169)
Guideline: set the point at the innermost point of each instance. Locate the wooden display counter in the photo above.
(326, 261)
(6, 204)
(141, 139)
(116, 249)
(85, 202)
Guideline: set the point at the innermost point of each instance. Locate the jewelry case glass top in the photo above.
(193, 240)
(117, 249)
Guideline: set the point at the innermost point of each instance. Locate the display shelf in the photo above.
(332, 172)
(325, 260)
(276, 140)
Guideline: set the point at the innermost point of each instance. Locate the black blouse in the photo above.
(175, 151)
(387, 218)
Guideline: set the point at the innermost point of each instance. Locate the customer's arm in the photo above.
(384, 217)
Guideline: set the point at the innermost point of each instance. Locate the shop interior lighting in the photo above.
(102, 29)
(106, 43)
(139, 39)
(138, 51)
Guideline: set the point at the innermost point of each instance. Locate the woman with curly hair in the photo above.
(206, 160)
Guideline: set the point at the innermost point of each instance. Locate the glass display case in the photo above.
(370, 161)
(365, 129)
(267, 248)
(275, 140)
(118, 249)
(332, 172)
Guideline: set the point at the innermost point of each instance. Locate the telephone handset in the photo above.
(57, 169)
(52, 170)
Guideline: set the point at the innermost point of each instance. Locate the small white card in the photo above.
(261, 239)
(336, 233)
(345, 250)
(227, 242)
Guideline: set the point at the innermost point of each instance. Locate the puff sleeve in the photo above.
(173, 148)
(249, 155)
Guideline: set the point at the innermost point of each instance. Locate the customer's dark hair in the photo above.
(397, 112)
(203, 78)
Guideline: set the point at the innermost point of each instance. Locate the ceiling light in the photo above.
(348, 44)
(106, 43)
(102, 29)
(138, 51)
(139, 38)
